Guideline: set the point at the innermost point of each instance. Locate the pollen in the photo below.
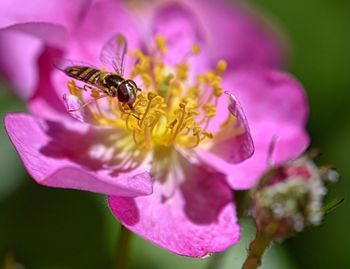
(221, 66)
(195, 49)
(161, 45)
(171, 110)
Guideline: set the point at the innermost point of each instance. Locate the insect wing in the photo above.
(62, 64)
(113, 53)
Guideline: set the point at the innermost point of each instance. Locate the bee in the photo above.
(112, 84)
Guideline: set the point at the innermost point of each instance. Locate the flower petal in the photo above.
(179, 25)
(71, 157)
(60, 12)
(91, 37)
(18, 65)
(77, 110)
(269, 95)
(239, 147)
(236, 34)
(276, 108)
(45, 102)
(198, 218)
(102, 20)
(290, 142)
(32, 23)
(52, 34)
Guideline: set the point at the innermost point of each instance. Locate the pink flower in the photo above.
(112, 152)
(190, 211)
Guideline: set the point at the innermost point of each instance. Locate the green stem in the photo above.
(123, 247)
(256, 250)
(242, 199)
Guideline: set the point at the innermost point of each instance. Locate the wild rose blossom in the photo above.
(190, 211)
(119, 148)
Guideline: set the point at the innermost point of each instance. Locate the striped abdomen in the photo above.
(84, 73)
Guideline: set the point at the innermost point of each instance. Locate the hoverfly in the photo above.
(113, 84)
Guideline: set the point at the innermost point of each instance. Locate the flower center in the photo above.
(174, 108)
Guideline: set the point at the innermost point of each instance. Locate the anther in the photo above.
(217, 90)
(216, 80)
(195, 49)
(221, 66)
(172, 124)
(183, 104)
(196, 130)
(207, 134)
(151, 95)
(72, 88)
(147, 80)
(200, 79)
(95, 93)
(181, 71)
(161, 44)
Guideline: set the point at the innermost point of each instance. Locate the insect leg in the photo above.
(88, 87)
(87, 103)
(131, 108)
(134, 111)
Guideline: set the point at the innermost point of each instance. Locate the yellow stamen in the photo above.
(221, 66)
(195, 49)
(161, 44)
(181, 71)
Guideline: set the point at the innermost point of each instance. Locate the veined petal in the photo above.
(75, 108)
(239, 147)
(73, 157)
(197, 218)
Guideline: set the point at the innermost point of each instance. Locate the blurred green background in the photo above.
(62, 229)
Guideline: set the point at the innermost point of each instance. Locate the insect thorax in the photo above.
(111, 82)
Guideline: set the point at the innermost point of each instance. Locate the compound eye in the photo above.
(126, 92)
(129, 85)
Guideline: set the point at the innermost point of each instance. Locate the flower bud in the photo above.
(289, 198)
